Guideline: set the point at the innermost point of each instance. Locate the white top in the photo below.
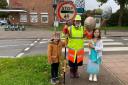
(98, 47)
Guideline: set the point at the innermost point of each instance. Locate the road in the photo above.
(30, 46)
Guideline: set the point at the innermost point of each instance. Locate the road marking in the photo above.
(125, 39)
(35, 41)
(103, 37)
(26, 49)
(38, 39)
(104, 40)
(44, 42)
(110, 43)
(19, 55)
(107, 40)
(45, 39)
(7, 57)
(105, 49)
(12, 45)
(113, 43)
(115, 49)
(32, 44)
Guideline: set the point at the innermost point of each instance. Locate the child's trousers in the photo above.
(54, 70)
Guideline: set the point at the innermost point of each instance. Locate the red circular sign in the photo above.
(66, 11)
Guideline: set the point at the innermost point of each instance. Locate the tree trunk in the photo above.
(121, 15)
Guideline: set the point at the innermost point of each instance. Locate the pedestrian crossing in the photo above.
(110, 45)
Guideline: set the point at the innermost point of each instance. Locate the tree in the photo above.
(98, 11)
(122, 4)
(3, 4)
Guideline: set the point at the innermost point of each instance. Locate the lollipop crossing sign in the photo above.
(66, 11)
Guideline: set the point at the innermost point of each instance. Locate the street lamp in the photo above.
(55, 2)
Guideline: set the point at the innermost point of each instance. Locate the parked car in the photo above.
(3, 22)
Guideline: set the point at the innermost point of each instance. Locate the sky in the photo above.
(93, 4)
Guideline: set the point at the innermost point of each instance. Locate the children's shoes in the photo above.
(95, 78)
(53, 81)
(90, 77)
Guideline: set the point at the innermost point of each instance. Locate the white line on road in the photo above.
(107, 49)
(35, 41)
(125, 39)
(12, 45)
(104, 40)
(7, 57)
(32, 44)
(113, 43)
(107, 40)
(26, 49)
(19, 55)
(110, 43)
(43, 42)
(45, 39)
(104, 37)
(38, 39)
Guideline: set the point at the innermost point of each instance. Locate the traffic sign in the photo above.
(66, 11)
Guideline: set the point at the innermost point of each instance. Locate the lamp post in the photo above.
(107, 12)
(54, 7)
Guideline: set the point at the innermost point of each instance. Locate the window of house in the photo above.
(23, 17)
(33, 17)
(44, 17)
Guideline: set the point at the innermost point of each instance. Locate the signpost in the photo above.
(66, 11)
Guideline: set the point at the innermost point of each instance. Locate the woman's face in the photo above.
(77, 23)
(96, 33)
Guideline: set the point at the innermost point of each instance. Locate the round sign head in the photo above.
(66, 11)
(107, 12)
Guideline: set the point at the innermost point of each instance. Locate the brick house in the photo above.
(34, 12)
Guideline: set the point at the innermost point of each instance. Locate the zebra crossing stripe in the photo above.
(113, 43)
(106, 49)
(7, 57)
(104, 40)
(115, 49)
(125, 39)
(109, 43)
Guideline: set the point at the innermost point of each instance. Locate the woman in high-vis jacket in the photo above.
(76, 34)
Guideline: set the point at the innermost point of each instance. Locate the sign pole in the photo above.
(66, 11)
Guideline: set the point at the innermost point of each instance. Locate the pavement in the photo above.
(117, 66)
(114, 70)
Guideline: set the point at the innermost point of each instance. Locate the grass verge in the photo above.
(28, 70)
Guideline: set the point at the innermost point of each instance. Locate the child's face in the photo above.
(56, 40)
(96, 33)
